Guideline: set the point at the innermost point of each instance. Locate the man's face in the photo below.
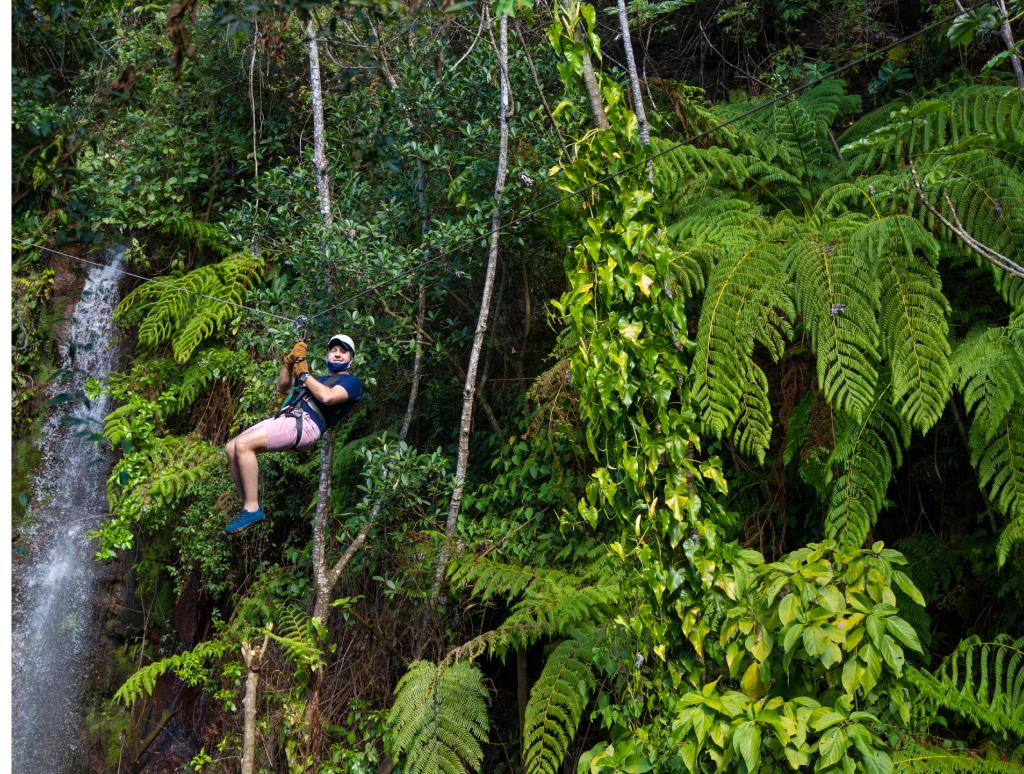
(339, 355)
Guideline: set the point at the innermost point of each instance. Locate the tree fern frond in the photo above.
(980, 681)
(1010, 539)
(745, 290)
(753, 430)
(927, 759)
(439, 718)
(913, 315)
(865, 451)
(931, 123)
(556, 704)
(997, 454)
(188, 309)
(982, 192)
(871, 121)
(188, 665)
(838, 301)
(209, 235)
(677, 169)
(688, 271)
(549, 602)
(162, 472)
(988, 368)
(874, 195)
(714, 221)
(298, 637)
(211, 364)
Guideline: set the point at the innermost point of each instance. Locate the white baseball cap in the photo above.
(345, 341)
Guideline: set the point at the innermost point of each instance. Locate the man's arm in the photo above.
(284, 380)
(326, 395)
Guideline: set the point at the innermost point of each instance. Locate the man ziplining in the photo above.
(315, 405)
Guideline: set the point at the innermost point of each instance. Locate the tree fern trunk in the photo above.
(469, 389)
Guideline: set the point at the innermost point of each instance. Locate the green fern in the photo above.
(210, 236)
(865, 451)
(550, 603)
(913, 315)
(556, 704)
(912, 131)
(211, 364)
(929, 759)
(746, 303)
(299, 637)
(753, 429)
(838, 302)
(988, 368)
(980, 681)
(984, 193)
(188, 309)
(439, 718)
(162, 472)
(677, 169)
(997, 453)
(187, 665)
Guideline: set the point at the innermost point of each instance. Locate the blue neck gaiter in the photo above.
(338, 368)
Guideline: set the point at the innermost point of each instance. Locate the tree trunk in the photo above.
(253, 661)
(421, 198)
(591, 85)
(323, 507)
(634, 84)
(323, 188)
(323, 589)
(1008, 39)
(539, 85)
(589, 77)
(522, 689)
(417, 363)
(468, 391)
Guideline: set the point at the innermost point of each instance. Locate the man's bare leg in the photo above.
(246, 469)
(236, 476)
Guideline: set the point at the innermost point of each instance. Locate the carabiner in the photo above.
(301, 322)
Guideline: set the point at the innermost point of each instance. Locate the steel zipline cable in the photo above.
(156, 281)
(531, 214)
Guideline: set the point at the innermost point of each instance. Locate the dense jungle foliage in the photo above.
(745, 478)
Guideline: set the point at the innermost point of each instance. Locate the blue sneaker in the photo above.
(244, 520)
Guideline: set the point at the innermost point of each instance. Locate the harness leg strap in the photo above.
(298, 429)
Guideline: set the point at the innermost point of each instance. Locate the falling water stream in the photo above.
(54, 584)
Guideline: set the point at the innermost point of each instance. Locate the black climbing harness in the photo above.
(291, 407)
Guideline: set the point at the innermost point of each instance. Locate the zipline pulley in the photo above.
(301, 323)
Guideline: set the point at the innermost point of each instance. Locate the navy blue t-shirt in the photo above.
(335, 412)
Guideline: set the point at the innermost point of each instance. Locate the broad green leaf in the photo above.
(833, 746)
(893, 654)
(904, 632)
(747, 742)
(788, 609)
(908, 587)
(751, 682)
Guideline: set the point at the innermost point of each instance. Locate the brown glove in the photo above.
(299, 367)
(298, 351)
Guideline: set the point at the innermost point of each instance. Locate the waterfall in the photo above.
(54, 584)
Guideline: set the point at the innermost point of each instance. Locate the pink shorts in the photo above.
(281, 432)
